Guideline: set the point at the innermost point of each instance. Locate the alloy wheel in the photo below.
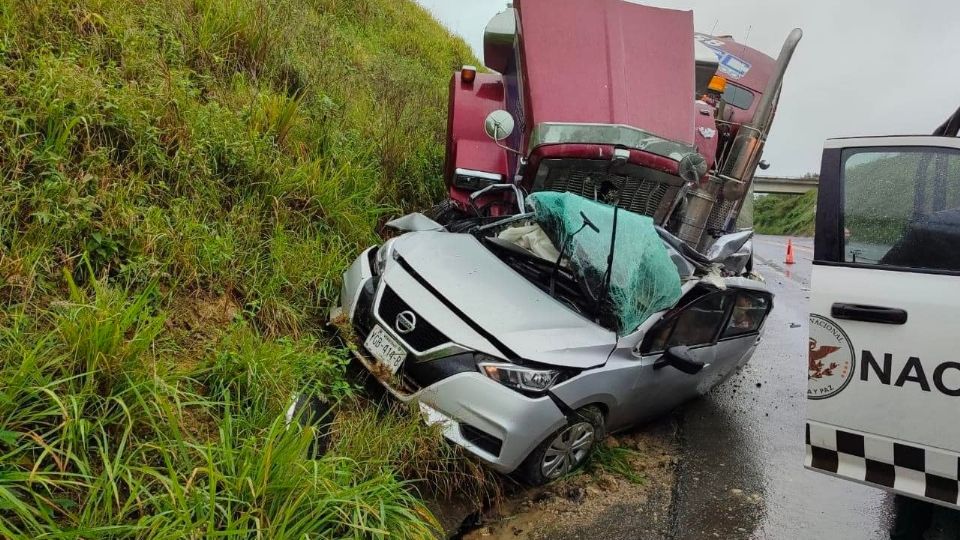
(567, 450)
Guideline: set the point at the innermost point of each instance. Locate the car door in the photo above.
(740, 336)
(884, 350)
(697, 325)
(720, 327)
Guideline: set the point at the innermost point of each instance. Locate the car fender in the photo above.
(570, 397)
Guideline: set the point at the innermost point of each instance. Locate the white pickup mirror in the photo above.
(499, 125)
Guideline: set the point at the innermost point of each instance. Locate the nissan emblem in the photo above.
(405, 323)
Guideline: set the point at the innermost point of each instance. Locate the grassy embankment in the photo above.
(785, 214)
(182, 183)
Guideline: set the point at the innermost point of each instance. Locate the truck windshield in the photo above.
(738, 96)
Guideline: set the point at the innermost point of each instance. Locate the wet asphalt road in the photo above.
(741, 471)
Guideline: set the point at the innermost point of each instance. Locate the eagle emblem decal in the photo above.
(830, 359)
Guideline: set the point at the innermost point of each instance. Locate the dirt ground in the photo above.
(581, 506)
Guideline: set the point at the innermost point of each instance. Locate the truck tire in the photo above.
(445, 212)
(566, 449)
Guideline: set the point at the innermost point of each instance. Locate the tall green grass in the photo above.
(181, 184)
(103, 436)
(785, 214)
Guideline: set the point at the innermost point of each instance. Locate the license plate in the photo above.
(385, 349)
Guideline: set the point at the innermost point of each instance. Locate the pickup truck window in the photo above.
(901, 207)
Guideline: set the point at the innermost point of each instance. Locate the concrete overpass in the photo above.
(783, 184)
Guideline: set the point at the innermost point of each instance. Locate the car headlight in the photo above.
(384, 253)
(520, 378)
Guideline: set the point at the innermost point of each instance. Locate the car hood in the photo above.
(510, 309)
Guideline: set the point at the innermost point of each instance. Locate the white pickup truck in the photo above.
(884, 349)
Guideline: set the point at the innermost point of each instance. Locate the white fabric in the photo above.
(533, 239)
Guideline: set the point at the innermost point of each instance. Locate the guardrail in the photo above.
(783, 184)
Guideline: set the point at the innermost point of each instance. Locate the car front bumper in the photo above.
(497, 424)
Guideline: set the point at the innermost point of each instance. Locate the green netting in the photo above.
(643, 281)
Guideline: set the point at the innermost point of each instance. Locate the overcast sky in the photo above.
(864, 67)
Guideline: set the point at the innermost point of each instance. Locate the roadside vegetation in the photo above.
(785, 214)
(181, 184)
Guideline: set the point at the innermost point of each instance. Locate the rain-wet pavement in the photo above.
(741, 470)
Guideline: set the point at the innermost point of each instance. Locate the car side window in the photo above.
(695, 325)
(902, 207)
(749, 311)
(656, 339)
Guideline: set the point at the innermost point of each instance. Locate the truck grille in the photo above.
(644, 191)
(424, 335)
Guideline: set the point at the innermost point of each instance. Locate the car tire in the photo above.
(310, 411)
(566, 449)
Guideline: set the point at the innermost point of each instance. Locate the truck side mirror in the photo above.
(680, 359)
(498, 125)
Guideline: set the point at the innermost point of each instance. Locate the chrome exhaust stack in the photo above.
(736, 172)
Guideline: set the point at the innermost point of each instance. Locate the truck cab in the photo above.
(610, 100)
(884, 366)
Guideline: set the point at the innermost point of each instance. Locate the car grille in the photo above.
(423, 337)
(428, 372)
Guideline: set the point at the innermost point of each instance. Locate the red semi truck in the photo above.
(616, 102)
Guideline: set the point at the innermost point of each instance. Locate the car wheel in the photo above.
(566, 449)
(310, 411)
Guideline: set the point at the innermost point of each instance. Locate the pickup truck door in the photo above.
(883, 392)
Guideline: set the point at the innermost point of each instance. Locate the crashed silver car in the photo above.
(527, 355)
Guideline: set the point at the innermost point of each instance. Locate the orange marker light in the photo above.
(717, 84)
(468, 74)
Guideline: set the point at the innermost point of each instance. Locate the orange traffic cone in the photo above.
(789, 259)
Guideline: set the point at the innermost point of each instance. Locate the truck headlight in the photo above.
(519, 377)
(475, 180)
